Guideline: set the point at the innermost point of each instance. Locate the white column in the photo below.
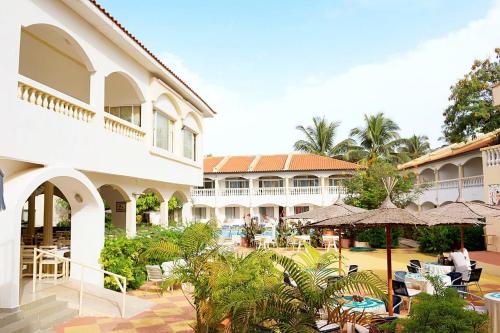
(164, 213)
(250, 192)
(30, 231)
(187, 212)
(460, 181)
(287, 192)
(436, 185)
(97, 87)
(323, 190)
(130, 219)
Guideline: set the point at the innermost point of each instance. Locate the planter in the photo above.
(244, 242)
(346, 243)
(361, 244)
(328, 232)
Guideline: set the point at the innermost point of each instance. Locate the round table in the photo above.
(493, 304)
(434, 268)
(368, 304)
(418, 281)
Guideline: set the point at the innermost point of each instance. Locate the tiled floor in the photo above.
(173, 313)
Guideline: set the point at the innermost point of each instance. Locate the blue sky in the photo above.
(269, 65)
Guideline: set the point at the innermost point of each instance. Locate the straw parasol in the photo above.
(387, 215)
(339, 208)
(460, 213)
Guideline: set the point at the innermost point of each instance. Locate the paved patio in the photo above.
(173, 314)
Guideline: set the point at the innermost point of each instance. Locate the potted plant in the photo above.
(250, 229)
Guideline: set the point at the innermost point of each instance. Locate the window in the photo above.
(270, 182)
(306, 181)
(332, 181)
(266, 212)
(163, 132)
(189, 143)
(232, 212)
(130, 113)
(236, 183)
(200, 213)
(207, 184)
(300, 209)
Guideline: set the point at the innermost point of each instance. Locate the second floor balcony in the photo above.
(440, 192)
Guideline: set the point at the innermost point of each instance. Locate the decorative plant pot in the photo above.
(328, 232)
(346, 243)
(244, 242)
(361, 244)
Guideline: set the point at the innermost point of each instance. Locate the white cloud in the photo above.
(412, 88)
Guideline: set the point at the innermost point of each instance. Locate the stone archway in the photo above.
(87, 227)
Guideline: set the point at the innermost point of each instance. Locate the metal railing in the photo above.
(121, 281)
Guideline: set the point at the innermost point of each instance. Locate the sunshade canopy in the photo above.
(339, 208)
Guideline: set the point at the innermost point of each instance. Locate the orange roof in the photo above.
(209, 163)
(278, 163)
(454, 149)
(316, 162)
(270, 163)
(138, 42)
(236, 164)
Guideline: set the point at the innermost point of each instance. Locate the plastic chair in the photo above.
(154, 275)
(400, 289)
(412, 269)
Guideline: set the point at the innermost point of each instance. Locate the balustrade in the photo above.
(271, 191)
(492, 155)
(122, 127)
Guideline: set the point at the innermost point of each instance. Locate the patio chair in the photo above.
(415, 263)
(400, 275)
(473, 264)
(288, 280)
(50, 263)
(154, 275)
(396, 304)
(400, 289)
(471, 306)
(27, 260)
(412, 269)
(352, 269)
(292, 242)
(323, 326)
(473, 278)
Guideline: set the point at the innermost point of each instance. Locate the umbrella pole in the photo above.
(389, 268)
(462, 238)
(340, 250)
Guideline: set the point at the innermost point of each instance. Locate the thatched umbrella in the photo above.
(467, 213)
(387, 215)
(339, 208)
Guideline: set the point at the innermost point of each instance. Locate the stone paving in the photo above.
(174, 314)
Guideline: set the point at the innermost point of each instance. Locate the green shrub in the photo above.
(440, 313)
(441, 239)
(376, 237)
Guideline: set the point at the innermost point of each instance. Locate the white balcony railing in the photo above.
(50, 99)
(474, 181)
(123, 127)
(492, 156)
(269, 191)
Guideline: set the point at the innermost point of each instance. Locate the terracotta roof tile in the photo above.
(237, 164)
(138, 42)
(315, 162)
(209, 163)
(270, 163)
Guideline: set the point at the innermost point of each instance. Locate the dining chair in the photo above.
(400, 289)
(50, 263)
(415, 263)
(396, 304)
(352, 269)
(154, 275)
(412, 269)
(473, 278)
(27, 257)
(400, 275)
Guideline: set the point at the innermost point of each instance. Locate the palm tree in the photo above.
(414, 147)
(378, 138)
(320, 138)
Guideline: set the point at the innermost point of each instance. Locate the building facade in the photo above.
(90, 115)
(267, 186)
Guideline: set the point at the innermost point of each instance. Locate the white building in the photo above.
(90, 115)
(267, 186)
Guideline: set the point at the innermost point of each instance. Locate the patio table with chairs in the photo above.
(422, 283)
(435, 268)
(367, 304)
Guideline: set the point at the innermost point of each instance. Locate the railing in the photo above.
(228, 192)
(272, 191)
(492, 155)
(445, 184)
(121, 281)
(269, 191)
(45, 97)
(122, 127)
(474, 181)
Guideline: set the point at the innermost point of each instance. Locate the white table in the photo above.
(434, 268)
(493, 304)
(302, 239)
(329, 240)
(263, 241)
(418, 281)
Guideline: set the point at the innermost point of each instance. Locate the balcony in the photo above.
(492, 156)
(469, 188)
(255, 197)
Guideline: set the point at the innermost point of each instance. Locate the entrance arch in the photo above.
(87, 214)
(115, 203)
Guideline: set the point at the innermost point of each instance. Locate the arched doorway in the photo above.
(115, 201)
(149, 206)
(87, 224)
(123, 98)
(177, 209)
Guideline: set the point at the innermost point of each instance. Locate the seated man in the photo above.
(461, 262)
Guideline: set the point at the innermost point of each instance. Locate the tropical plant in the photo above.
(377, 139)
(439, 239)
(366, 190)
(147, 201)
(471, 110)
(376, 237)
(413, 147)
(320, 139)
(444, 312)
